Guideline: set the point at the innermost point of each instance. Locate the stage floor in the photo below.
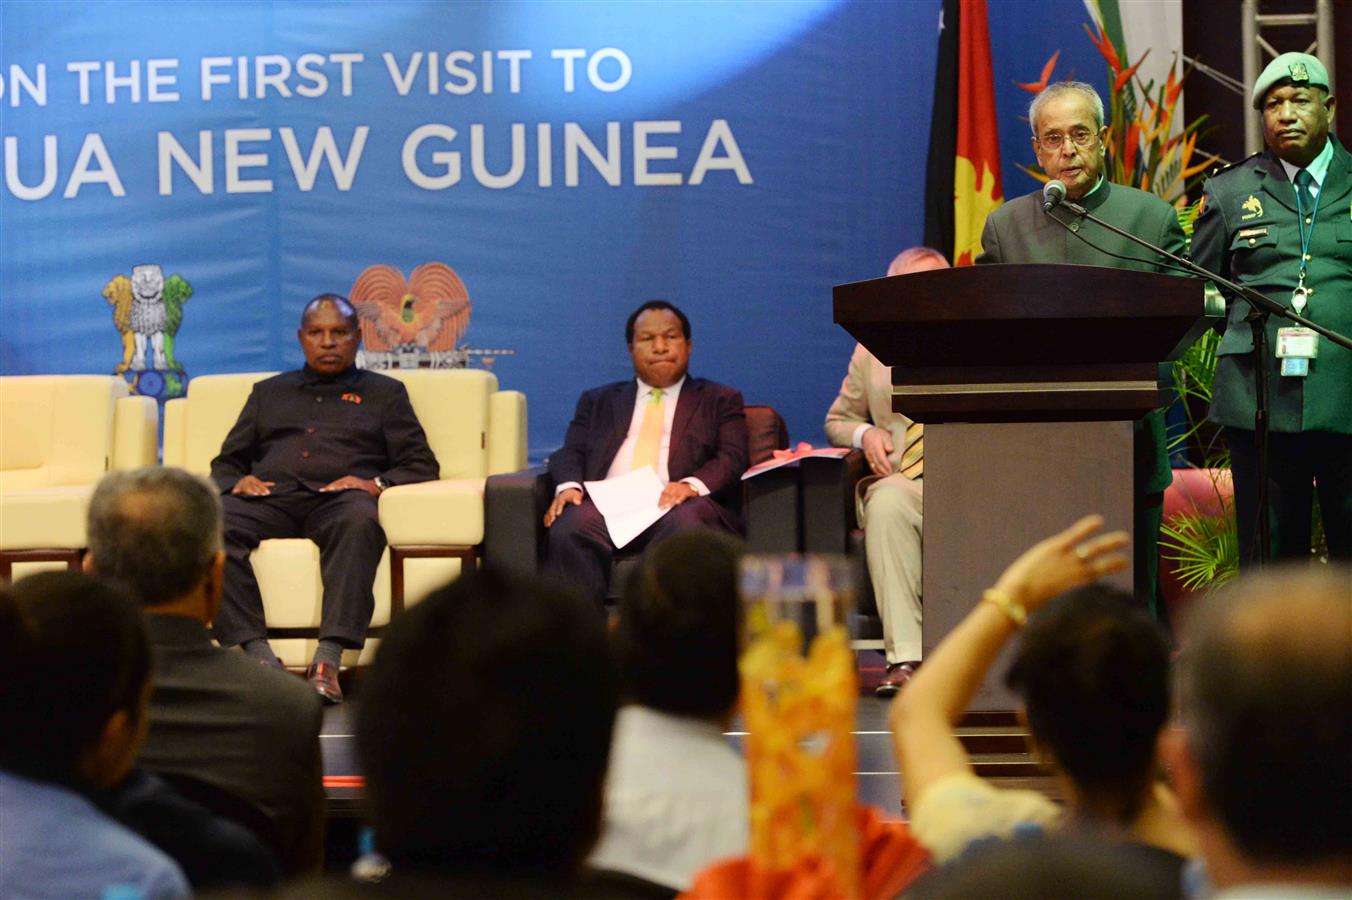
(877, 779)
(995, 745)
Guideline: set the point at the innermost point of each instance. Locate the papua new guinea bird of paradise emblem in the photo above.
(147, 312)
(414, 322)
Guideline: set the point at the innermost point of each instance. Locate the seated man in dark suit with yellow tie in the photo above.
(691, 431)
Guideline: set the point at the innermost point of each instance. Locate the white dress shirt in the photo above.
(676, 798)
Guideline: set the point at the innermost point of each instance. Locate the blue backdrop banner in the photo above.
(180, 178)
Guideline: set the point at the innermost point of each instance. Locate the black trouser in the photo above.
(1295, 462)
(344, 525)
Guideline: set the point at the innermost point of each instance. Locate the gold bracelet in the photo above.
(1007, 605)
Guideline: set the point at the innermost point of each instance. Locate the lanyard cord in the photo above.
(1300, 225)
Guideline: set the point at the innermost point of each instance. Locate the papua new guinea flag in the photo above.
(962, 183)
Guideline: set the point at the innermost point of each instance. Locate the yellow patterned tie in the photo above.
(650, 433)
(913, 457)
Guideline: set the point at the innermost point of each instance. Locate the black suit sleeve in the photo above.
(239, 450)
(410, 458)
(569, 462)
(729, 461)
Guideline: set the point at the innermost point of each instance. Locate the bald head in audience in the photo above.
(1263, 765)
(157, 531)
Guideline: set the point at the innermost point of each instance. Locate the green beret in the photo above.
(1301, 69)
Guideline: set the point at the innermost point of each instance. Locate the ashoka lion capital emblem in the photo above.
(147, 312)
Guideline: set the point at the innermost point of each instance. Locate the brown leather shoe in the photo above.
(324, 679)
(898, 674)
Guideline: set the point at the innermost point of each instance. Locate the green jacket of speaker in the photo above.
(1020, 232)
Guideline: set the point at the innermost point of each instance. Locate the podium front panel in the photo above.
(991, 491)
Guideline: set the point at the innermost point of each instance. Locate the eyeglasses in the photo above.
(1080, 138)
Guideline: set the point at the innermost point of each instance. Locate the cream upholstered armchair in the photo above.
(433, 528)
(59, 434)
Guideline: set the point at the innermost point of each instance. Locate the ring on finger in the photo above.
(1082, 553)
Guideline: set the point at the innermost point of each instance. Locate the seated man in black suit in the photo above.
(691, 431)
(309, 455)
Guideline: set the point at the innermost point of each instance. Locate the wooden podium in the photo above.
(1028, 379)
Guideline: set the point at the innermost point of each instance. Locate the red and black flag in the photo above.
(962, 184)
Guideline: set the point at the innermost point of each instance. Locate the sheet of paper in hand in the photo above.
(628, 503)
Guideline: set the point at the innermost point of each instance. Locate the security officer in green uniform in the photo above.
(1281, 223)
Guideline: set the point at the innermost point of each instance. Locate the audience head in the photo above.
(329, 334)
(157, 530)
(75, 670)
(917, 259)
(473, 761)
(1266, 707)
(1093, 673)
(658, 335)
(679, 626)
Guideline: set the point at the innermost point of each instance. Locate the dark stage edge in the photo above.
(878, 782)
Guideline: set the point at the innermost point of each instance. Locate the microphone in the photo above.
(1053, 192)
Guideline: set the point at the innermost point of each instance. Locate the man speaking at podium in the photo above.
(1068, 140)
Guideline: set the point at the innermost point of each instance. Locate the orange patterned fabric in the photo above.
(891, 859)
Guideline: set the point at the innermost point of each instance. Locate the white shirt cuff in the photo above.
(697, 485)
(568, 485)
(857, 439)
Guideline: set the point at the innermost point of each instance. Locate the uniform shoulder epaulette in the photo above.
(1226, 168)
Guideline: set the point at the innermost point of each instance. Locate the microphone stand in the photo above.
(1261, 307)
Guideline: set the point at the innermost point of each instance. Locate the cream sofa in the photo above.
(433, 528)
(59, 434)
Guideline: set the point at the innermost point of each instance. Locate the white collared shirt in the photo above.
(1318, 168)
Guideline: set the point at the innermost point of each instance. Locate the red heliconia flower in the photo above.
(1125, 75)
(1131, 146)
(1037, 87)
(1105, 47)
(1172, 88)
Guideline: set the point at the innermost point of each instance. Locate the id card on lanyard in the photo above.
(1297, 346)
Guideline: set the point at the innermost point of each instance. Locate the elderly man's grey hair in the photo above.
(912, 256)
(156, 530)
(1061, 88)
